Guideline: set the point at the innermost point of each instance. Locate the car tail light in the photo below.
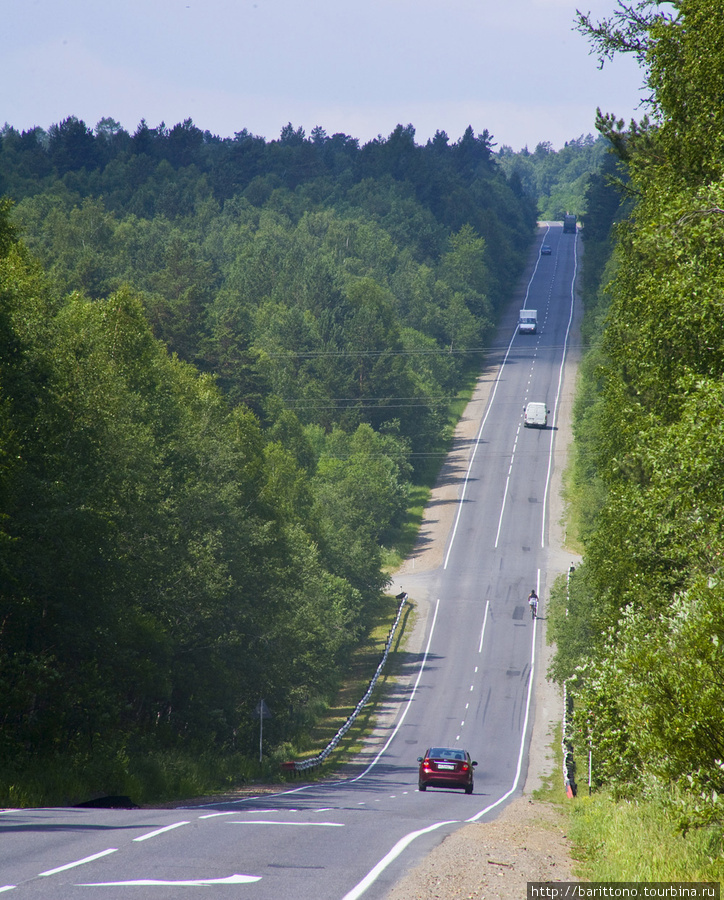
(465, 767)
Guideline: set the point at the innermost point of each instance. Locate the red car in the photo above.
(446, 767)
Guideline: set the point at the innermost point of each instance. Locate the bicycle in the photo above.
(533, 603)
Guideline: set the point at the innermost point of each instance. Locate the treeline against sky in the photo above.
(222, 364)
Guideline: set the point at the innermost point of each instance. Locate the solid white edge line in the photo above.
(558, 394)
(401, 845)
(78, 862)
(482, 633)
(502, 510)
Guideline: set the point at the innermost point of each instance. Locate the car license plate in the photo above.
(446, 766)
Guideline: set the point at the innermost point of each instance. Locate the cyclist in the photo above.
(533, 603)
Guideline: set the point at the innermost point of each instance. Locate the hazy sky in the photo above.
(515, 67)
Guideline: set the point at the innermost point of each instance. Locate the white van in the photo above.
(535, 415)
(528, 321)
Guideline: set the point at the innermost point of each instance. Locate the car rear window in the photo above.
(445, 753)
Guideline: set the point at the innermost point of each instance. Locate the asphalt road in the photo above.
(470, 685)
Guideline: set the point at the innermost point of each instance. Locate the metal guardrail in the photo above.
(296, 766)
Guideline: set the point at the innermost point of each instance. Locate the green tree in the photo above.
(647, 683)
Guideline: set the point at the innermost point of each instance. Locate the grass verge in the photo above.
(639, 841)
(552, 789)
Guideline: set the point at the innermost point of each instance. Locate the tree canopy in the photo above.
(648, 598)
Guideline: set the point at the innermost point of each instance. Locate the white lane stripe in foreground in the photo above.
(78, 862)
(7, 887)
(145, 837)
(200, 882)
(375, 873)
(302, 824)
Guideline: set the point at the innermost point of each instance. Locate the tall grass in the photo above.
(640, 841)
(632, 840)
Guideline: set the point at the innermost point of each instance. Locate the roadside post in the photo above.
(263, 711)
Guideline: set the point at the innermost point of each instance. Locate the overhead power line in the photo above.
(524, 348)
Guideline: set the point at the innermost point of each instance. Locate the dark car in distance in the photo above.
(545, 250)
(446, 767)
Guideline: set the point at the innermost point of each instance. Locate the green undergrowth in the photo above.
(407, 535)
(573, 516)
(427, 472)
(153, 776)
(145, 777)
(552, 789)
(617, 840)
(428, 468)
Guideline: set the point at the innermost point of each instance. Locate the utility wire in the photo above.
(321, 354)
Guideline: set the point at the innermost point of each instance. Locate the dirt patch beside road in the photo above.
(526, 842)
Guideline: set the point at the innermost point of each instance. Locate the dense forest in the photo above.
(223, 364)
(641, 636)
(558, 179)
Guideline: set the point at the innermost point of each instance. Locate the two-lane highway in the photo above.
(470, 685)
